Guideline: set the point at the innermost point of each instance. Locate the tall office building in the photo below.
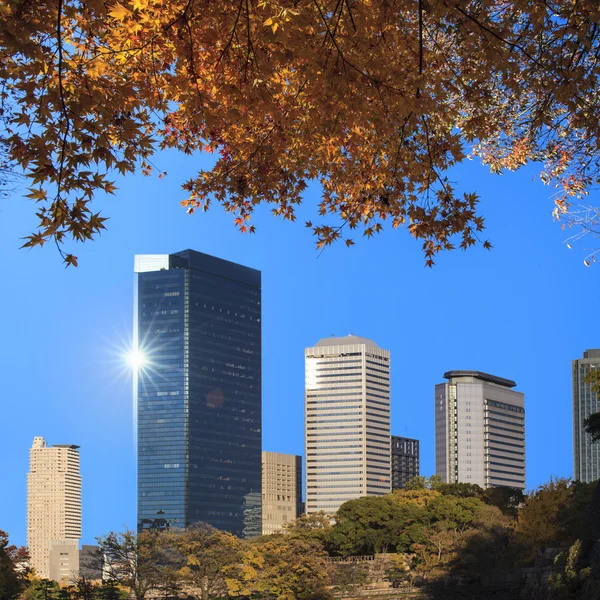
(347, 422)
(197, 327)
(405, 460)
(586, 454)
(281, 490)
(480, 430)
(53, 500)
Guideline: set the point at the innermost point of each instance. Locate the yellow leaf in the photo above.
(274, 27)
(268, 22)
(119, 12)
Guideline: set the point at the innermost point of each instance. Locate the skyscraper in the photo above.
(480, 430)
(197, 327)
(281, 490)
(347, 422)
(405, 460)
(53, 500)
(586, 454)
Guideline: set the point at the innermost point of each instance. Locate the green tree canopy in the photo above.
(13, 569)
(372, 524)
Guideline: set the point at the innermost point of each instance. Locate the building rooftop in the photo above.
(482, 376)
(592, 353)
(192, 259)
(348, 340)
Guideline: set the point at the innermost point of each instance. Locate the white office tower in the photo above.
(347, 422)
(480, 430)
(53, 500)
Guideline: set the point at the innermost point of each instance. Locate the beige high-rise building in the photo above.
(53, 500)
(347, 422)
(480, 430)
(281, 490)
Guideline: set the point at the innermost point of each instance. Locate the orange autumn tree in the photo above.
(374, 99)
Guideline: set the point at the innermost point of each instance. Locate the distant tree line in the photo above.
(434, 533)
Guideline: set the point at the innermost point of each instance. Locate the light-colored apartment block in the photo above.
(480, 430)
(281, 490)
(347, 422)
(53, 500)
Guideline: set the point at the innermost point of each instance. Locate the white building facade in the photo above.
(480, 430)
(347, 422)
(53, 500)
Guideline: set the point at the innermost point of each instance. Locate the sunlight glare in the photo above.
(136, 358)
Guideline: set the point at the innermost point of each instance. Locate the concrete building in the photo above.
(480, 430)
(197, 331)
(347, 422)
(90, 563)
(64, 559)
(281, 490)
(405, 460)
(53, 500)
(586, 455)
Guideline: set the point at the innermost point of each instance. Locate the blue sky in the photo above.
(522, 311)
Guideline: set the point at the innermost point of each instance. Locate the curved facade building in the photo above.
(480, 430)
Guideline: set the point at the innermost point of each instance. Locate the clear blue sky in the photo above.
(522, 311)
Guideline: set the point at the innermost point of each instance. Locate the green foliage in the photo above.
(552, 516)
(315, 526)
(592, 426)
(455, 532)
(461, 490)
(372, 524)
(593, 378)
(592, 423)
(43, 589)
(456, 513)
(12, 569)
(420, 482)
(109, 591)
(507, 499)
(418, 520)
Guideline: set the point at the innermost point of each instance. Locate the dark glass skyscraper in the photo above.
(197, 325)
(405, 460)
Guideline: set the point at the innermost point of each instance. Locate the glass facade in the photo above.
(586, 454)
(198, 327)
(405, 460)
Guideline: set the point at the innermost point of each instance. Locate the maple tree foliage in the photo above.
(374, 99)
